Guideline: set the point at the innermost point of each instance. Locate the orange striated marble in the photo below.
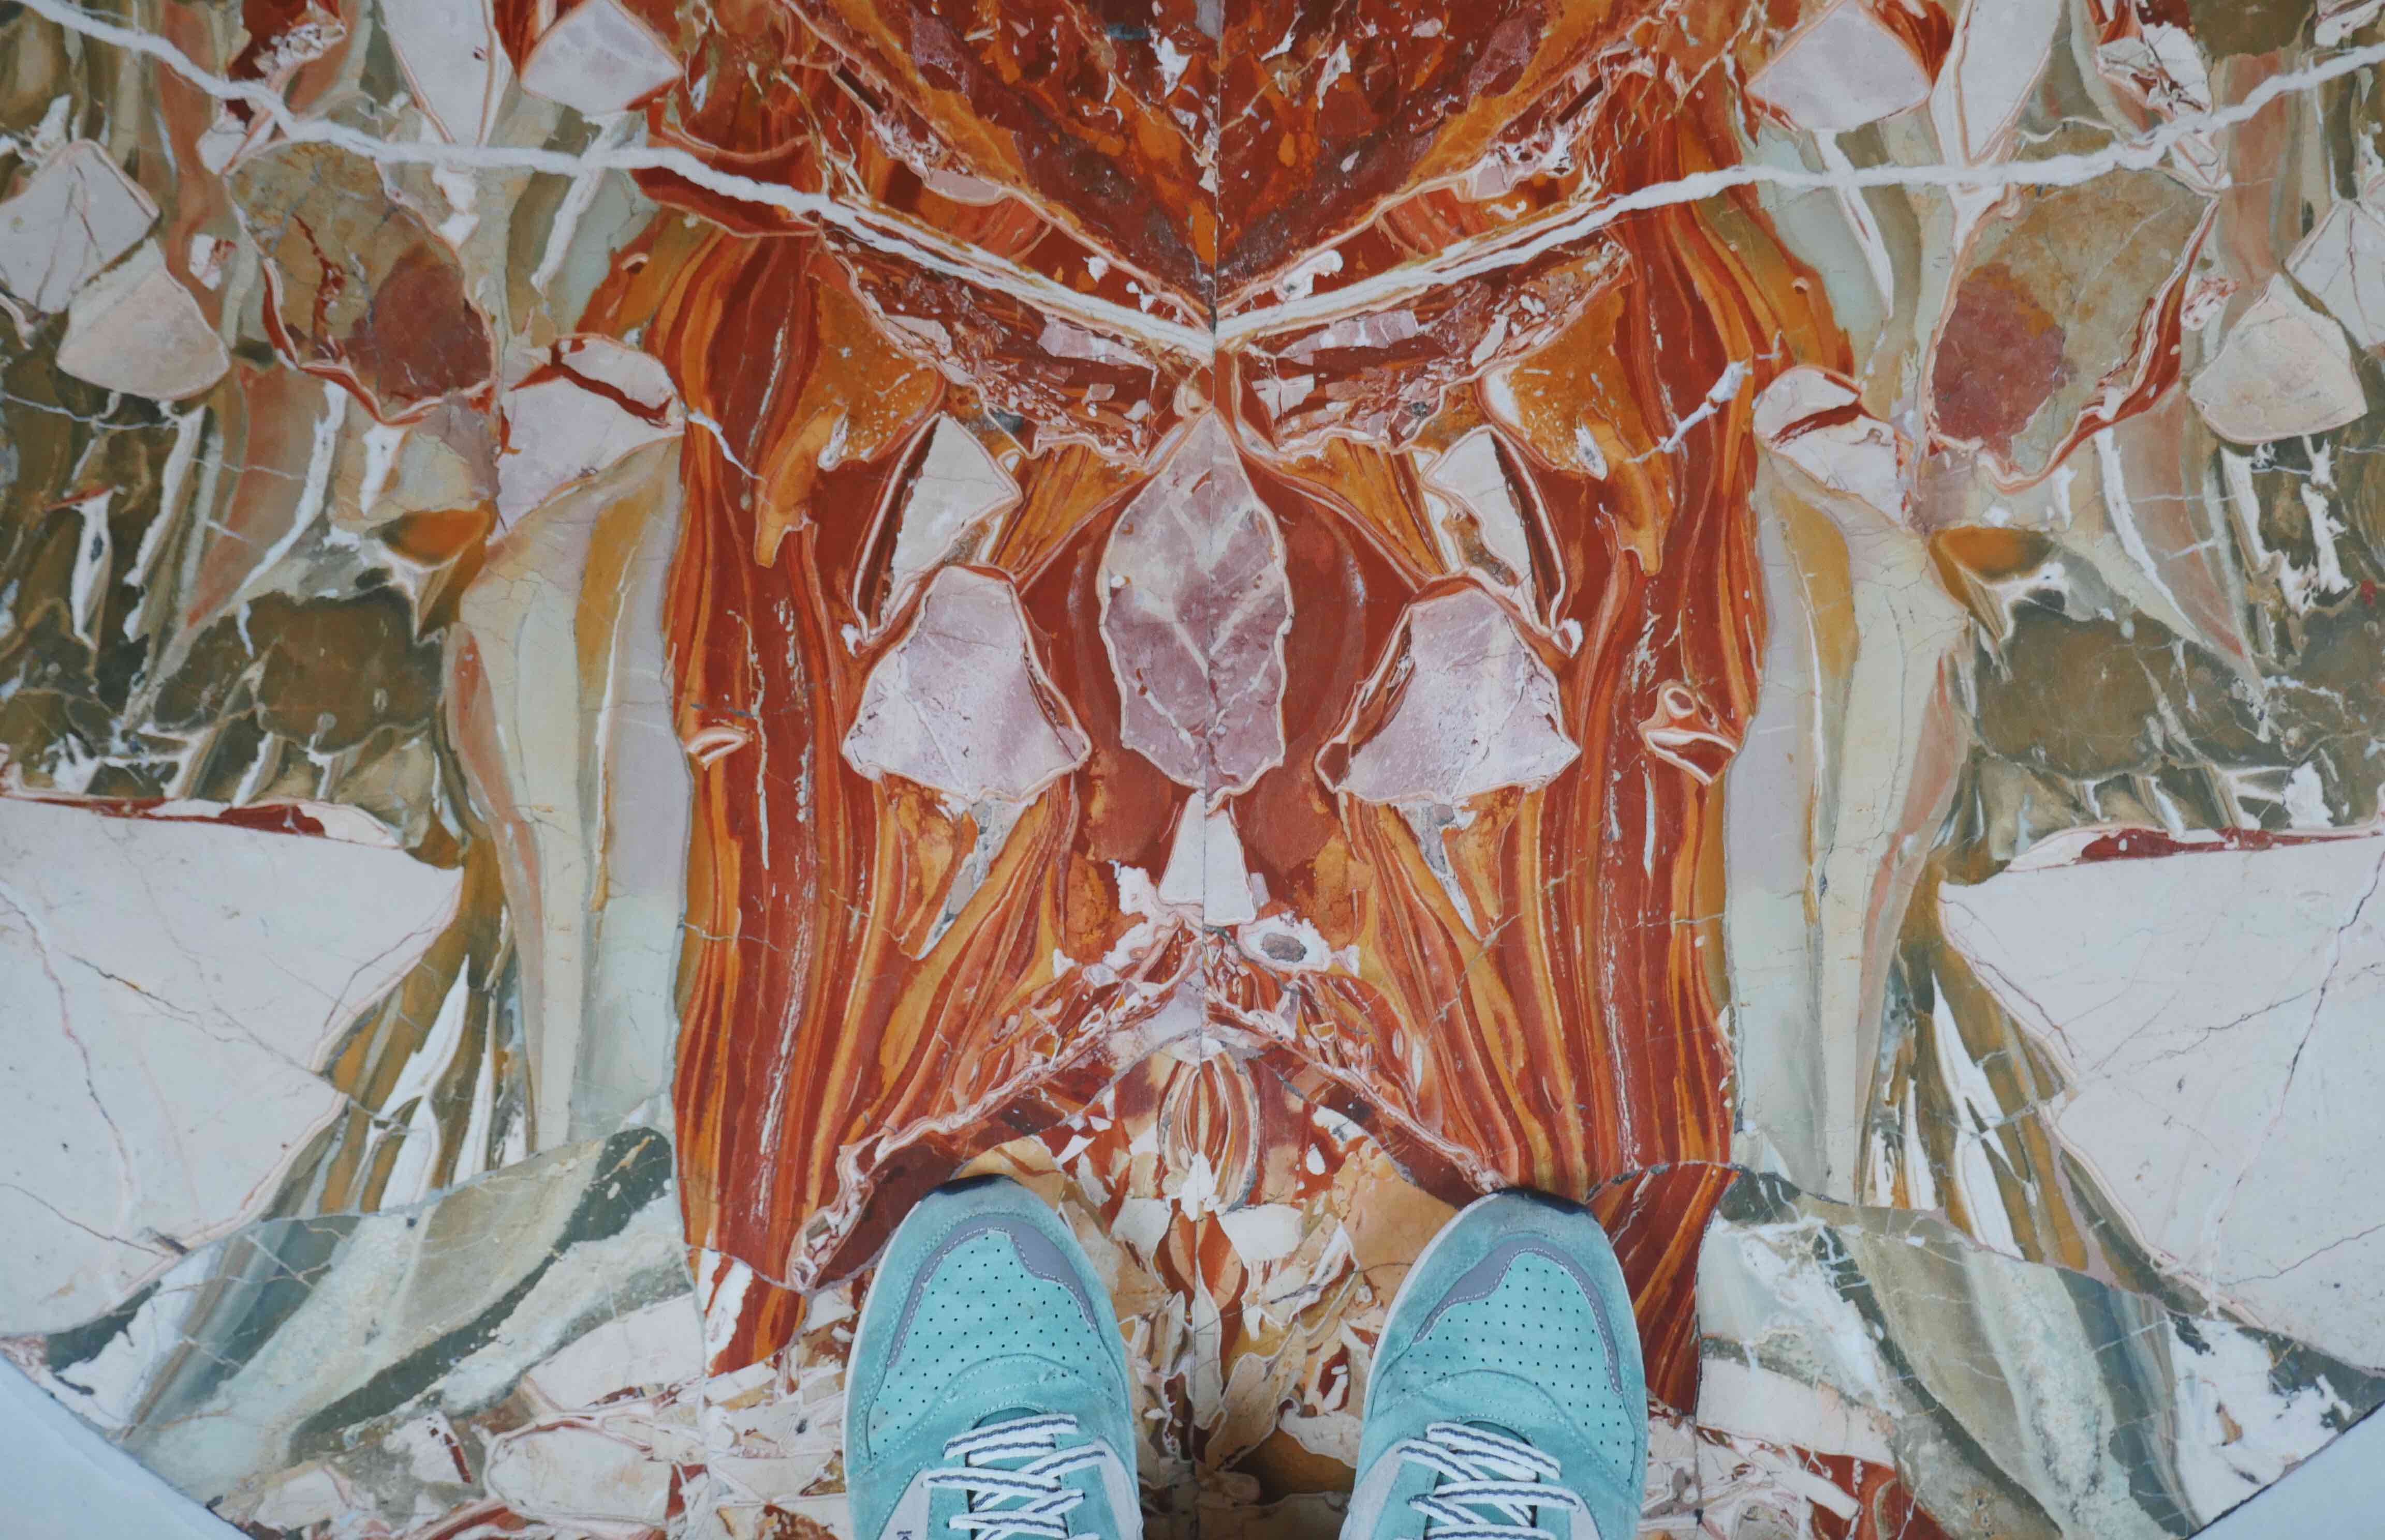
(832, 1066)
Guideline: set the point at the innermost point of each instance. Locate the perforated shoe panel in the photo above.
(981, 1302)
(984, 1311)
(1540, 1325)
(1515, 1322)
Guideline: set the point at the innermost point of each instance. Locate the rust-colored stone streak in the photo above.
(820, 1057)
(879, 983)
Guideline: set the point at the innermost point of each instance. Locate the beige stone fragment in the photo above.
(76, 213)
(1842, 73)
(2284, 370)
(137, 331)
(598, 60)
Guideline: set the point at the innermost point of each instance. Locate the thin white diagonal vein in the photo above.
(1509, 248)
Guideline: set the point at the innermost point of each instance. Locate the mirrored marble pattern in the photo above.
(632, 631)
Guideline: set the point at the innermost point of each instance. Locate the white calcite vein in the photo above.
(1469, 259)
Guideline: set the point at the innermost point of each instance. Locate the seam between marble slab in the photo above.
(958, 260)
(1514, 247)
(931, 251)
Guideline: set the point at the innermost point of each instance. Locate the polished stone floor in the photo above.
(632, 631)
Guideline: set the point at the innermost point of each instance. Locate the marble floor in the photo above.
(632, 630)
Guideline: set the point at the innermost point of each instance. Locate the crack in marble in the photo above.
(916, 244)
(1465, 260)
(2293, 1068)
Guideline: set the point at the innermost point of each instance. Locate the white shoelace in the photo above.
(1028, 1499)
(1485, 1472)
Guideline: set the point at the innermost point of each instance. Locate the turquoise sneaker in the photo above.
(1507, 1401)
(987, 1390)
